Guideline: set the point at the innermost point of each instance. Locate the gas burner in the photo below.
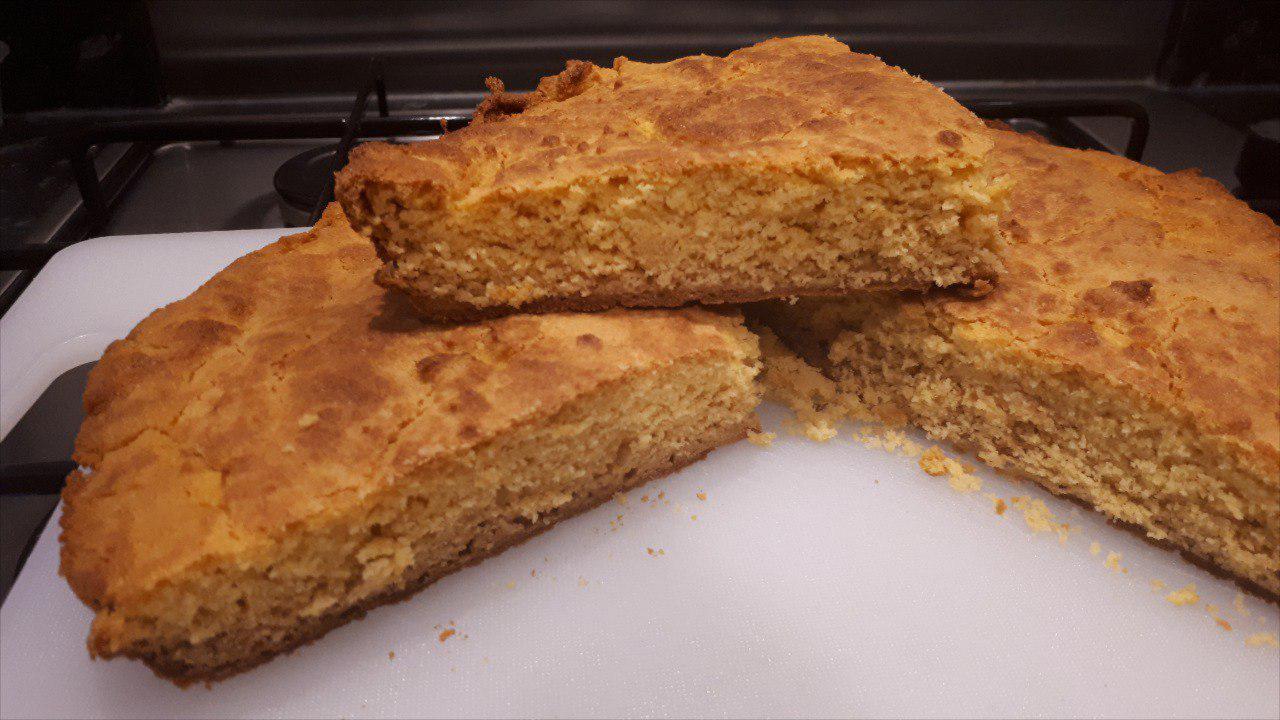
(301, 181)
(1256, 169)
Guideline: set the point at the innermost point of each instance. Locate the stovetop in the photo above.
(151, 186)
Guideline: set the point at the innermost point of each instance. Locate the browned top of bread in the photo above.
(290, 385)
(785, 99)
(1165, 283)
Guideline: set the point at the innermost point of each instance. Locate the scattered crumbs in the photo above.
(693, 518)
(763, 439)
(1223, 624)
(1158, 585)
(1039, 518)
(1185, 596)
(533, 572)
(934, 462)
(661, 494)
(1094, 548)
(446, 634)
(819, 430)
(702, 496)
(644, 498)
(1113, 561)
(1211, 609)
(1262, 639)
(391, 655)
(546, 560)
(511, 584)
(582, 582)
(1240, 609)
(453, 624)
(485, 659)
(308, 420)
(622, 499)
(453, 669)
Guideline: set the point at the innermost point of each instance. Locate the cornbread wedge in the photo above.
(1129, 357)
(792, 167)
(288, 447)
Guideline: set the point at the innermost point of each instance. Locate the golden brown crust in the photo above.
(804, 96)
(1163, 283)
(806, 107)
(313, 628)
(292, 358)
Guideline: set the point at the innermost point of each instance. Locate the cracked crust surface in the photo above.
(290, 389)
(808, 119)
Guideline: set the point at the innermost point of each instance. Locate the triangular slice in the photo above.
(287, 447)
(1129, 357)
(792, 167)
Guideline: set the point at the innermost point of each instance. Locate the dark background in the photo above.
(187, 55)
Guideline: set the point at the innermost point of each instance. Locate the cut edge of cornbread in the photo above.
(1124, 453)
(781, 169)
(293, 609)
(287, 447)
(723, 234)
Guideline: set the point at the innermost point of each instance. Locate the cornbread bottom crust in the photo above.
(443, 309)
(184, 666)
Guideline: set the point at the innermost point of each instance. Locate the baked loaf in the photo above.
(1128, 357)
(792, 167)
(288, 447)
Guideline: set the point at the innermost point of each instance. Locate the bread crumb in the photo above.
(582, 582)
(1240, 608)
(391, 655)
(511, 584)
(819, 430)
(693, 518)
(1094, 548)
(533, 572)
(1039, 518)
(1261, 639)
(1185, 596)
(1158, 585)
(933, 461)
(446, 634)
(701, 496)
(644, 498)
(308, 420)
(1211, 609)
(1000, 506)
(763, 439)
(1113, 561)
(622, 499)
(1223, 624)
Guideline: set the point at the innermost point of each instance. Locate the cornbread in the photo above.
(791, 167)
(1129, 356)
(288, 446)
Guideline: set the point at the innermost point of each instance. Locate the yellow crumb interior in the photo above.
(1076, 435)
(436, 518)
(728, 232)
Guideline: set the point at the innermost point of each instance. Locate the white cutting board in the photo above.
(817, 579)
